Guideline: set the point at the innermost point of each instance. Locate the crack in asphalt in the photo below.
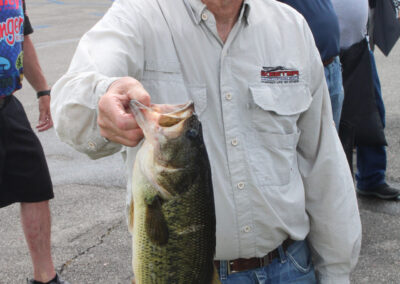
(101, 241)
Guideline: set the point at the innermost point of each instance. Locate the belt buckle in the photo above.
(229, 271)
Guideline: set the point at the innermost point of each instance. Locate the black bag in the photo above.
(360, 112)
(372, 4)
(386, 26)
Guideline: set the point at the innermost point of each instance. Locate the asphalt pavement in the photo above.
(90, 240)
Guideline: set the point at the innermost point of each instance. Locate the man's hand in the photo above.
(34, 74)
(45, 120)
(115, 118)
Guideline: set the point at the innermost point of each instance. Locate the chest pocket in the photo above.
(274, 112)
(276, 107)
(165, 83)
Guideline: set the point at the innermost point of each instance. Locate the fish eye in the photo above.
(192, 133)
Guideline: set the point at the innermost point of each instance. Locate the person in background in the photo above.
(371, 160)
(24, 176)
(285, 199)
(396, 4)
(397, 7)
(321, 17)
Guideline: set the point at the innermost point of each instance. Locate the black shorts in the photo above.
(24, 175)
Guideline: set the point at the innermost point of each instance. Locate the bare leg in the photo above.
(36, 222)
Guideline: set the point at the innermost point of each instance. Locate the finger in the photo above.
(41, 124)
(131, 137)
(44, 116)
(47, 125)
(128, 138)
(45, 122)
(126, 142)
(126, 122)
(112, 113)
(116, 122)
(140, 94)
(132, 88)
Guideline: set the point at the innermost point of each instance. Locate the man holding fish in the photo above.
(285, 204)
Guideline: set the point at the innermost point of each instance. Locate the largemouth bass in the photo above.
(173, 215)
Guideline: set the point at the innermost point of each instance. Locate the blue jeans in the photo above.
(292, 266)
(333, 75)
(371, 161)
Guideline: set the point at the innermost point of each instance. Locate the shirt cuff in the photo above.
(98, 147)
(103, 85)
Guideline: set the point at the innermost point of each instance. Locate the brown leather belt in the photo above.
(328, 61)
(242, 264)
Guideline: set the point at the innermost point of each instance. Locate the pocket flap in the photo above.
(162, 66)
(284, 99)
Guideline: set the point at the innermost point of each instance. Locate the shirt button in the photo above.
(240, 185)
(204, 16)
(92, 145)
(228, 96)
(247, 229)
(235, 142)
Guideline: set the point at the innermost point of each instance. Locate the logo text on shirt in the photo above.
(279, 75)
(10, 30)
(10, 3)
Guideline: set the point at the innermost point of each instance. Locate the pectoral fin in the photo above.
(156, 225)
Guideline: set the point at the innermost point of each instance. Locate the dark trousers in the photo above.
(371, 160)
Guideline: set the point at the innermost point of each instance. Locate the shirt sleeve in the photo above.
(104, 54)
(331, 204)
(27, 23)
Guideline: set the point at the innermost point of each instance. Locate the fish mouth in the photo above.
(171, 115)
(165, 118)
(164, 127)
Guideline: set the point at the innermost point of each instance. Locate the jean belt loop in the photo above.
(282, 254)
(223, 269)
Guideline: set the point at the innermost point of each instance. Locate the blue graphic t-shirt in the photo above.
(11, 38)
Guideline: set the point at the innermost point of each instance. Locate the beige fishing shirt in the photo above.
(278, 166)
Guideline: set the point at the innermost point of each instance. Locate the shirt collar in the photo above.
(197, 7)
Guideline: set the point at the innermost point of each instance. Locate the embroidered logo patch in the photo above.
(279, 75)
